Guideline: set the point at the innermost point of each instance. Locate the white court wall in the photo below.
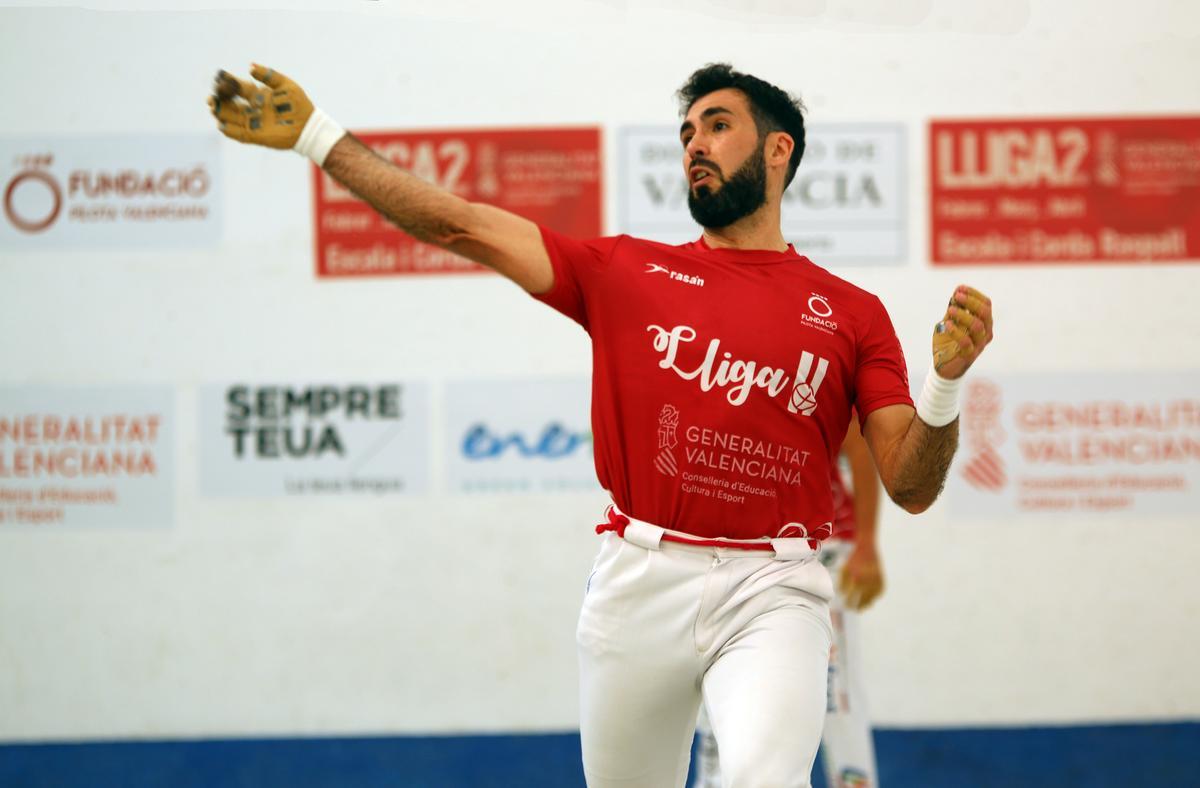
(440, 613)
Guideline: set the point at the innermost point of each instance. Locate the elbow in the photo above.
(461, 232)
(453, 227)
(913, 501)
(446, 235)
(914, 507)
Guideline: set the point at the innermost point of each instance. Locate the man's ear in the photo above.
(779, 149)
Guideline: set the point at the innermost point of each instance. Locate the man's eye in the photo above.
(720, 124)
(685, 141)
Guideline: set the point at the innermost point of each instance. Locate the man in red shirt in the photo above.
(724, 374)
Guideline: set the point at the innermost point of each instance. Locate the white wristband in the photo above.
(938, 404)
(318, 137)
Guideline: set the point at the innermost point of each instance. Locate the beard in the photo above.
(743, 194)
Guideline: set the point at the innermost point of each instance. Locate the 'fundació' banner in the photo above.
(1086, 443)
(298, 438)
(110, 191)
(1065, 191)
(549, 176)
(847, 203)
(87, 456)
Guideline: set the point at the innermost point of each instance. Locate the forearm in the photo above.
(866, 503)
(424, 211)
(864, 480)
(284, 118)
(914, 470)
(508, 244)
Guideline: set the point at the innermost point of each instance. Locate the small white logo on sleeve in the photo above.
(818, 313)
(655, 268)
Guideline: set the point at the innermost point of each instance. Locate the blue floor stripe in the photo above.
(421, 762)
(1100, 756)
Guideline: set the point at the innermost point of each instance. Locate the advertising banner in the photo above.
(300, 438)
(1065, 191)
(549, 176)
(110, 191)
(846, 204)
(1084, 443)
(90, 457)
(520, 436)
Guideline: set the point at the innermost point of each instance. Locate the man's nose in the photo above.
(696, 148)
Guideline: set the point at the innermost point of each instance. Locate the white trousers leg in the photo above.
(765, 697)
(659, 625)
(637, 668)
(847, 749)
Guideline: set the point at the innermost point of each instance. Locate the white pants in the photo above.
(848, 753)
(660, 629)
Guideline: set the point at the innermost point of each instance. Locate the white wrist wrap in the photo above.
(938, 403)
(318, 137)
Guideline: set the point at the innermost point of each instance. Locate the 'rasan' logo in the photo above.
(655, 268)
(818, 314)
(721, 370)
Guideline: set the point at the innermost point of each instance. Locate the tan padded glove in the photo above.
(271, 114)
(963, 332)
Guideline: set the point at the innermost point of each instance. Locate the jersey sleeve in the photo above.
(881, 376)
(576, 265)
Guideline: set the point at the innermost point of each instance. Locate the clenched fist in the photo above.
(963, 333)
(271, 114)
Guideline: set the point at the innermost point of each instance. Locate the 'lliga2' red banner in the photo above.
(550, 176)
(1065, 191)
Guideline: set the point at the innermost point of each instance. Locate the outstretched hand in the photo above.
(963, 333)
(271, 114)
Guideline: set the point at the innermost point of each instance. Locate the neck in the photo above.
(759, 230)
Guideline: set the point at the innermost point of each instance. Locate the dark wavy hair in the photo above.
(773, 109)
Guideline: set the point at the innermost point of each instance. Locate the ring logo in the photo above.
(26, 210)
(818, 310)
(655, 268)
(819, 306)
(741, 377)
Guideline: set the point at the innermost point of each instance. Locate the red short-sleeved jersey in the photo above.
(723, 380)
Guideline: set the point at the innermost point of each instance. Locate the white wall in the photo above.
(442, 613)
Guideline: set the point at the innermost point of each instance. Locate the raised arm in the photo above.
(278, 114)
(913, 448)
